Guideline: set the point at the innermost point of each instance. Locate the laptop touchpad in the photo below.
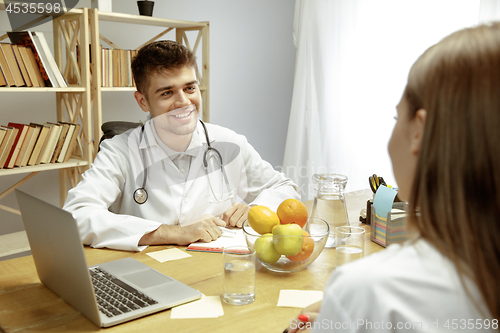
(146, 279)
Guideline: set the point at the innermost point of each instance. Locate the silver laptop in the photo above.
(108, 294)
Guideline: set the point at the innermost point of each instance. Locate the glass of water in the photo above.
(350, 243)
(239, 275)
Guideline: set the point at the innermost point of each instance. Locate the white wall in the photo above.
(251, 76)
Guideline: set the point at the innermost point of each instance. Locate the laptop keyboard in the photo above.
(114, 296)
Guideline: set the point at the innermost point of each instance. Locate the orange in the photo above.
(307, 248)
(262, 219)
(292, 211)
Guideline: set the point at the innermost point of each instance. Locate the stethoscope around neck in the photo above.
(141, 195)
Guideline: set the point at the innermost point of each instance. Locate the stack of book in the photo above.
(22, 145)
(28, 62)
(116, 67)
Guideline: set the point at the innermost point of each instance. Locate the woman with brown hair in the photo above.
(445, 151)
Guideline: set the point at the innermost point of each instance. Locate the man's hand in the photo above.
(236, 214)
(204, 228)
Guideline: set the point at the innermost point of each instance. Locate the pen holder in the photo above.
(391, 229)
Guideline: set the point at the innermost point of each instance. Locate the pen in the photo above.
(223, 229)
(303, 318)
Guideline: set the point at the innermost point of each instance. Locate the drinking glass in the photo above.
(239, 275)
(350, 244)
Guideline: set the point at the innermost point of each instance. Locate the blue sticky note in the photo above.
(383, 200)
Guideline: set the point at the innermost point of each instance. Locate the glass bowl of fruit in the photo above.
(284, 245)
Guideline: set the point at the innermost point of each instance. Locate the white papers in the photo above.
(235, 237)
(169, 254)
(206, 307)
(299, 298)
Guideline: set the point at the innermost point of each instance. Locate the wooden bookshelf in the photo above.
(73, 105)
(41, 89)
(72, 163)
(148, 20)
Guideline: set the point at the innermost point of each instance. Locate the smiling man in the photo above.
(174, 180)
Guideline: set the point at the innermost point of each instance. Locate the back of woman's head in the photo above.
(456, 189)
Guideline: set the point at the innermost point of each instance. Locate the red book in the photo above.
(18, 142)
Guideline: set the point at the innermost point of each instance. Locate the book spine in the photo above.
(6, 70)
(13, 65)
(22, 66)
(61, 82)
(8, 147)
(73, 143)
(40, 142)
(3, 81)
(16, 147)
(44, 60)
(34, 63)
(4, 144)
(24, 146)
(29, 66)
(31, 145)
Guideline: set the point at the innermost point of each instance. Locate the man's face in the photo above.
(168, 92)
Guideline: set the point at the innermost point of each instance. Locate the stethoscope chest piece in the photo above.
(140, 195)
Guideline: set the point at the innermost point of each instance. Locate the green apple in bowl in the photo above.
(287, 239)
(264, 248)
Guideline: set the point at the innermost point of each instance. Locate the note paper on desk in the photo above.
(382, 204)
(383, 200)
(299, 298)
(227, 239)
(206, 307)
(169, 254)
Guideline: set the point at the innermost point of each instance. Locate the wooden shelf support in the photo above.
(12, 188)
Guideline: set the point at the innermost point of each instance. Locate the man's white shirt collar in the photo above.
(192, 149)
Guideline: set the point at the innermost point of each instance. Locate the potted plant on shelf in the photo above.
(145, 7)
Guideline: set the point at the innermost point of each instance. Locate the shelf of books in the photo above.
(28, 62)
(39, 146)
(27, 65)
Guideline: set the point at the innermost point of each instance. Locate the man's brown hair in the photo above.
(158, 57)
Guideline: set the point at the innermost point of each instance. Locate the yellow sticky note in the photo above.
(206, 307)
(169, 254)
(299, 298)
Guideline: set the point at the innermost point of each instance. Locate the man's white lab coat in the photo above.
(107, 215)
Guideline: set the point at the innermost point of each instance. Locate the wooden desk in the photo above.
(27, 305)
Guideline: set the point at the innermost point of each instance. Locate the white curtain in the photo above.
(352, 61)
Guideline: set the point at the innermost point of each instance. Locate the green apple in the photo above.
(264, 248)
(287, 239)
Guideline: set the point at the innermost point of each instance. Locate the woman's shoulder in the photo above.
(410, 276)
